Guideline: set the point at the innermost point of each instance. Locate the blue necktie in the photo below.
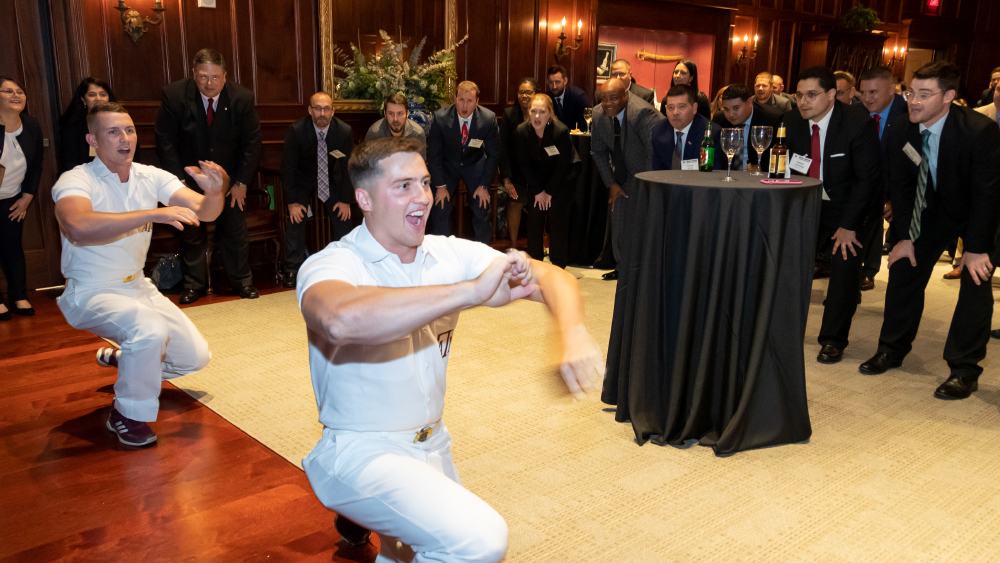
(676, 163)
(322, 172)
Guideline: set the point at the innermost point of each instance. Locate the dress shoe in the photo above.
(6, 316)
(24, 311)
(288, 281)
(995, 333)
(612, 275)
(957, 387)
(830, 354)
(879, 364)
(249, 292)
(867, 283)
(189, 296)
(352, 533)
(954, 274)
(820, 272)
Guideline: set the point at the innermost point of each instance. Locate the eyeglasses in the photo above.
(525, 92)
(808, 96)
(919, 97)
(321, 109)
(9, 92)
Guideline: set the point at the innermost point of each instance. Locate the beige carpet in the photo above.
(890, 474)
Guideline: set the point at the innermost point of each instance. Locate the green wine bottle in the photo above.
(707, 155)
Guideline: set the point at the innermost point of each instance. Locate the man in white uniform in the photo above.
(381, 306)
(106, 209)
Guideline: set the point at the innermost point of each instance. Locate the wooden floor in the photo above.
(205, 491)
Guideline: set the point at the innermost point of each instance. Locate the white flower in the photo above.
(434, 88)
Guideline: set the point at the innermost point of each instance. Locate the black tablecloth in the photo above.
(710, 313)
(588, 217)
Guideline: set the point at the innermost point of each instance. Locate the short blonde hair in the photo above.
(545, 99)
(469, 86)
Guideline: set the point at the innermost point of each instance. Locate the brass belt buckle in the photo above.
(423, 434)
(132, 277)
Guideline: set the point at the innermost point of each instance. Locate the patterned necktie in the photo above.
(465, 133)
(878, 124)
(676, 163)
(924, 172)
(816, 154)
(210, 113)
(322, 164)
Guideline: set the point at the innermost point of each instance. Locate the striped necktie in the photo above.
(322, 168)
(924, 172)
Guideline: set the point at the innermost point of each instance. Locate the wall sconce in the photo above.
(744, 55)
(895, 51)
(561, 48)
(133, 22)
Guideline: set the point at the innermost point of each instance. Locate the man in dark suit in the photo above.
(885, 106)
(944, 181)
(207, 118)
(622, 147)
(622, 70)
(314, 160)
(764, 95)
(837, 144)
(569, 101)
(677, 139)
(464, 143)
(739, 111)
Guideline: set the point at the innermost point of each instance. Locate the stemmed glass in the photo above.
(588, 114)
(760, 138)
(732, 142)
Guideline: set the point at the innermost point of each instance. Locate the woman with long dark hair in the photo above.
(686, 72)
(21, 159)
(73, 147)
(510, 169)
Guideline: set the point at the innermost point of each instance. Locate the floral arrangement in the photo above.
(384, 74)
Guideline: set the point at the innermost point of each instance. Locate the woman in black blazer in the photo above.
(73, 147)
(545, 155)
(21, 157)
(510, 170)
(686, 72)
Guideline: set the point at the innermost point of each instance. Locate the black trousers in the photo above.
(969, 333)
(12, 253)
(873, 247)
(844, 290)
(234, 241)
(295, 236)
(558, 227)
(481, 225)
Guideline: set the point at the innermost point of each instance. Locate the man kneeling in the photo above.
(106, 210)
(381, 306)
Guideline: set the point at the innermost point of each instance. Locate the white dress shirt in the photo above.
(125, 255)
(17, 166)
(400, 385)
(684, 137)
(204, 102)
(935, 143)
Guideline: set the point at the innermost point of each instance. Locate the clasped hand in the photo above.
(506, 279)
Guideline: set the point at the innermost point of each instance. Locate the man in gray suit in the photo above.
(622, 147)
(397, 123)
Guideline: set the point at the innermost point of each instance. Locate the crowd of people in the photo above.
(382, 301)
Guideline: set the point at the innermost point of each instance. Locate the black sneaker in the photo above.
(130, 432)
(108, 357)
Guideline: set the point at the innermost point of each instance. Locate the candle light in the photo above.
(579, 29)
(564, 25)
(755, 40)
(895, 49)
(746, 38)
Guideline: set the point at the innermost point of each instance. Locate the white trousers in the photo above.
(157, 339)
(410, 494)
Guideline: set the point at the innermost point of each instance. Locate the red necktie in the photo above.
(465, 132)
(816, 155)
(878, 124)
(210, 113)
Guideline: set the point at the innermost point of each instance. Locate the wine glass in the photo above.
(588, 114)
(760, 138)
(732, 142)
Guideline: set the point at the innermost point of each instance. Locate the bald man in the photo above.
(314, 161)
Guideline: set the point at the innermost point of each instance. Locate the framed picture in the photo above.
(606, 54)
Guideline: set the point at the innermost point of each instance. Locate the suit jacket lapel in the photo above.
(832, 130)
(197, 107)
(945, 145)
(220, 121)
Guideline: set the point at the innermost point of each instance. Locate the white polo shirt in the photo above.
(116, 259)
(400, 385)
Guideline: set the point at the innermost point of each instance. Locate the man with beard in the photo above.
(397, 123)
(314, 159)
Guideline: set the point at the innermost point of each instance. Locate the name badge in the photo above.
(337, 154)
(800, 163)
(93, 151)
(475, 143)
(912, 153)
(691, 164)
(551, 150)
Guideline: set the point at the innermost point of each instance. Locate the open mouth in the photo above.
(415, 219)
(125, 151)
